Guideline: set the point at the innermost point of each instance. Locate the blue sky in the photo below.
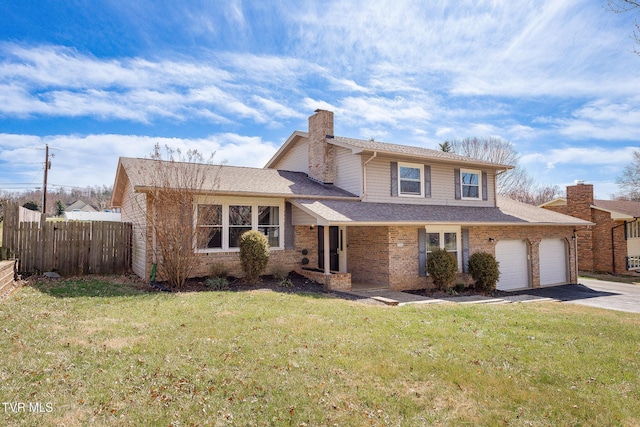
(101, 79)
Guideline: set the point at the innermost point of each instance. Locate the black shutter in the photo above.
(485, 193)
(427, 181)
(394, 179)
(465, 250)
(289, 231)
(422, 252)
(456, 173)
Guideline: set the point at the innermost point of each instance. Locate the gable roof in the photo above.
(508, 212)
(361, 145)
(624, 207)
(222, 180)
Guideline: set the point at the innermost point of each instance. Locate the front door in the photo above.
(334, 258)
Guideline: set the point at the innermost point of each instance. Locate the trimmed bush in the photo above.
(485, 270)
(442, 267)
(254, 254)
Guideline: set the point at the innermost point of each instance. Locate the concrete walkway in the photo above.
(390, 297)
(592, 293)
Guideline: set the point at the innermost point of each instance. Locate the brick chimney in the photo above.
(322, 155)
(579, 200)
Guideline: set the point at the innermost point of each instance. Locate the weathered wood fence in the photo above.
(69, 248)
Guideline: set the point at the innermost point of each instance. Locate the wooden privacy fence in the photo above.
(70, 248)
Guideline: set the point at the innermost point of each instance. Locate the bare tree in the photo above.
(629, 181)
(515, 183)
(171, 214)
(623, 6)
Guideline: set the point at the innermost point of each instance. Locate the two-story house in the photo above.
(348, 211)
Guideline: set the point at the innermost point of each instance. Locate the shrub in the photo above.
(218, 269)
(485, 270)
(254, 254)
(286, 283)
(279, 272)
(217, 283)
(442, 267)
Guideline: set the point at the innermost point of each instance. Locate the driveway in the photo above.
(593, 293)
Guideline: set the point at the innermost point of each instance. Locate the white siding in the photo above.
(133, 210)
(633, 246)
(299, 217)
(296, 159)
(442, 185)
(348, 171)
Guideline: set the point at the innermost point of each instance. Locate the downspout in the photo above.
(575, 252)
(613, 244)
(364, 173)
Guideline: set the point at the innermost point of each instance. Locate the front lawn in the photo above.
(96, 353)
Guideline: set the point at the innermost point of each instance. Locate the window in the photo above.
(209, 226)
(633, 230)
(220, 225)
(470, 182)
(447, 239)
(269, 223)
(239, 222)
(411, 179)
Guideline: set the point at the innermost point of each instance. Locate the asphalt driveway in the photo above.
(593, 293)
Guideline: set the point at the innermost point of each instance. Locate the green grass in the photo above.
(104, 354)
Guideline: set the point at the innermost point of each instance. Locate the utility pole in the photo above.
(47, 165)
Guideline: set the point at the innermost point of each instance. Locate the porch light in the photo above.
(491, 239)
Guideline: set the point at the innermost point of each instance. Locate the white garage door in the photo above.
(514, 265)
(553, 262)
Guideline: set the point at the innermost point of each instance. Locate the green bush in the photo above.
(217, 283)
(485, 270)
(287, 283)
(254, 254)
(442, 267)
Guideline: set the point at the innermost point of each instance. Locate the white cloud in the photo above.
(92, 159)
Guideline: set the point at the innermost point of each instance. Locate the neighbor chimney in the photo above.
(322, 164)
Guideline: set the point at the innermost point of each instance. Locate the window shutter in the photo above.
(289, 231)
(394, 179)
(456, 173)
(422, 252)
(427, 181)
(485, 193)
(465, 250)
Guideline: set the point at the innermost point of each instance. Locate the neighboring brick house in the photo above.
(612, 244)
(348, 211)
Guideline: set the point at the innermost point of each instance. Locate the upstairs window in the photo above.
(470, 184)
(411, 179)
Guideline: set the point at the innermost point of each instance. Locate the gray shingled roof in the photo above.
(622, 206)
(508, 212)
(222, 179)
(413, 151)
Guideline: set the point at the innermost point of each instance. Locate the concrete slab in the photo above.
(390, 297)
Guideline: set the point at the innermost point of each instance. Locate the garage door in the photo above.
(553, 262)
(514, 265)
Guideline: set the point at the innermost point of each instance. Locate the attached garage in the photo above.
(513, 257)
(553, 262)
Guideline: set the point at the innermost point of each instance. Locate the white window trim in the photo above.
(412, 166)
(441, 231)
(239, 201)
(471, 171)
